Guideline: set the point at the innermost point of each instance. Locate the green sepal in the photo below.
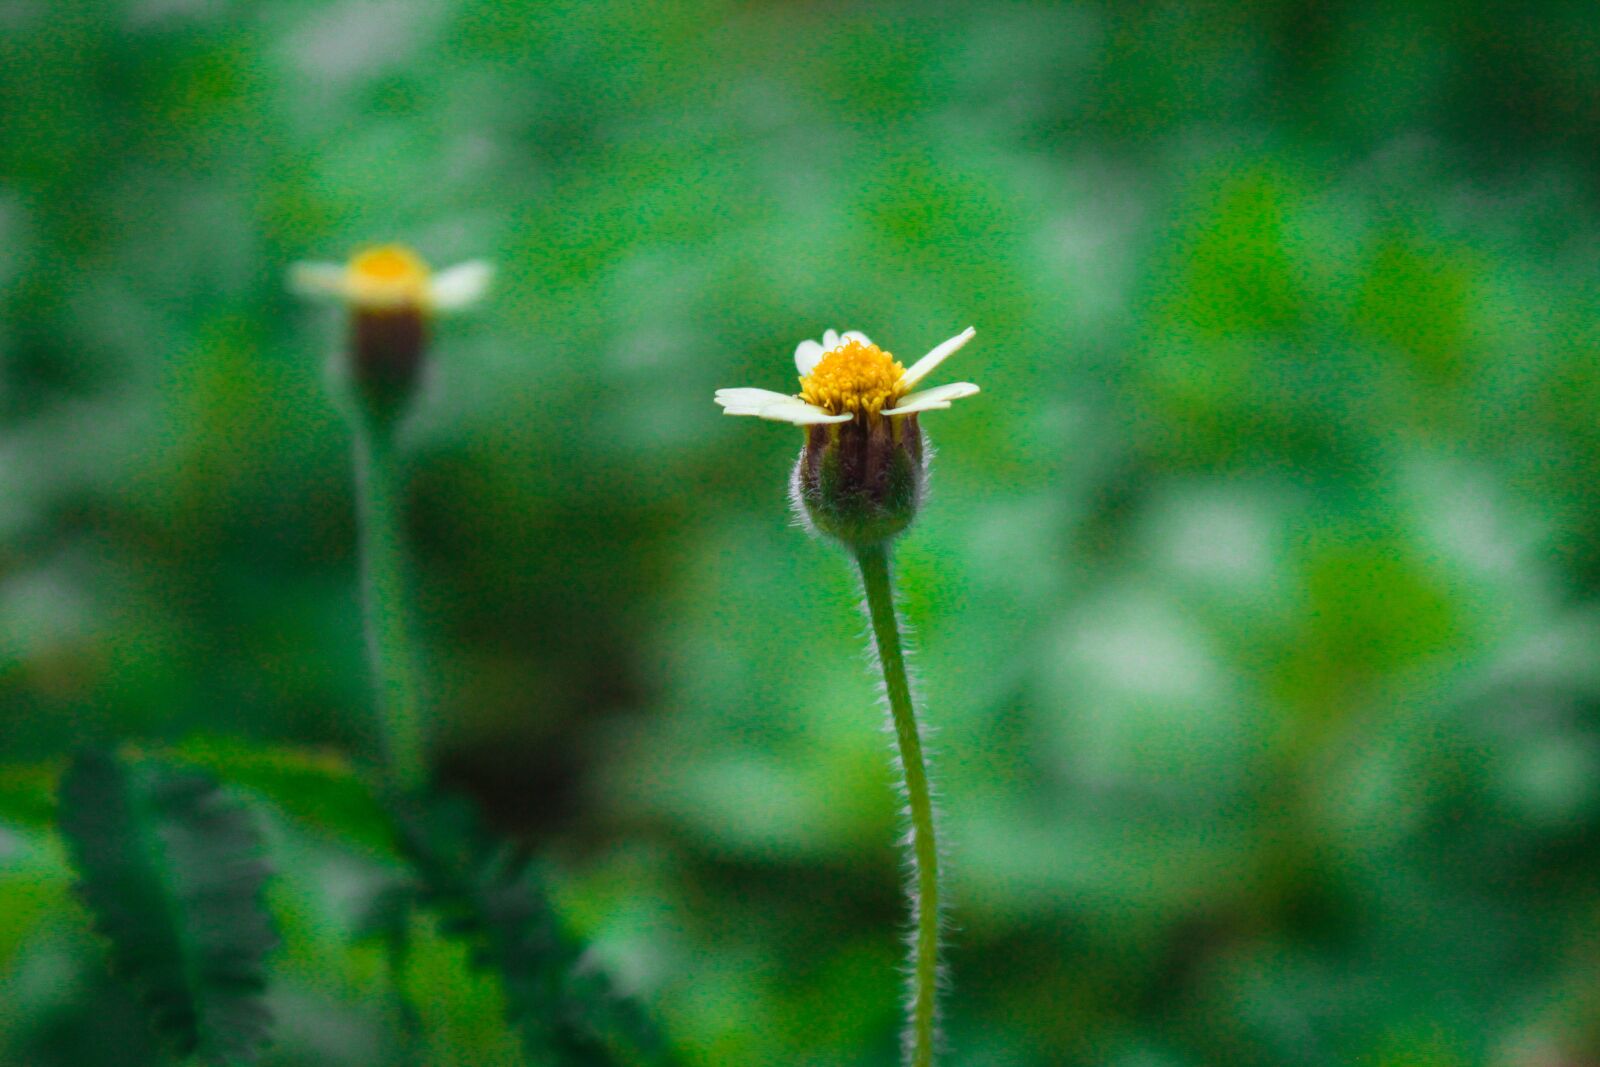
(860, 493)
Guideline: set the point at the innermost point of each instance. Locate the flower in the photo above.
(846, 375)
(393, 277)
(392, 296)
(861, 474)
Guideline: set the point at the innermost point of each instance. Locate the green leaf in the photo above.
(493, 898)
(173, 871)
(315, 787)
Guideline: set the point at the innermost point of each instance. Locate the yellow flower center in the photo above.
(389, 276)
(853, 378)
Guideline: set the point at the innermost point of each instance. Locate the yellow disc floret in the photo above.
(388, 276)
(854, 377)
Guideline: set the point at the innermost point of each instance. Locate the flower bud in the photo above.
(861, 481)
(386, 349)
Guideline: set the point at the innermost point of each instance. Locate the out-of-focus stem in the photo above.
(922, 1030)
(385, 587)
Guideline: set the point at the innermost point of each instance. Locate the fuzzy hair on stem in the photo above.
(921, 1038)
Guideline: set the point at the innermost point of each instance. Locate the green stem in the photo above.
(921, 1036)
(386, 603)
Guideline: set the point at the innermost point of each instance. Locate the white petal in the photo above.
(746, 398)
(318, 279)
(855, 335)
(766, 404)
(807, 354)
(830, 339)
(931, 399)
(924, 366)
(800, 413)
(460, 285)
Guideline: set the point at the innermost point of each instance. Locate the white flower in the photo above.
(393, 278)
(845, 375)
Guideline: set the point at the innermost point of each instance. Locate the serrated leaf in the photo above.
(493, 898)
(173, 871)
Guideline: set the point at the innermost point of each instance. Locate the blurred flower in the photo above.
(391, 295)
(860, 476)
(392, 277)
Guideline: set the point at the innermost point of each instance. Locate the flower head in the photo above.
(392, 296)
(861, 474)
(846, 375)
(393, 277)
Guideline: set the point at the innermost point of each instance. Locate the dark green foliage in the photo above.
(173, 872)
(493, 896)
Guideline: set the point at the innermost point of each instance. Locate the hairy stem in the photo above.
(386, 602)
(923, 1026)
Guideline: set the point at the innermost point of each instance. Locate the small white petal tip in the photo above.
(752, 398)
(317, 279)
(461, 285)
(807, 354)
(935, 399)
(926, 365)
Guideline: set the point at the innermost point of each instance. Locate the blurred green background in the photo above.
(1256, 599)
